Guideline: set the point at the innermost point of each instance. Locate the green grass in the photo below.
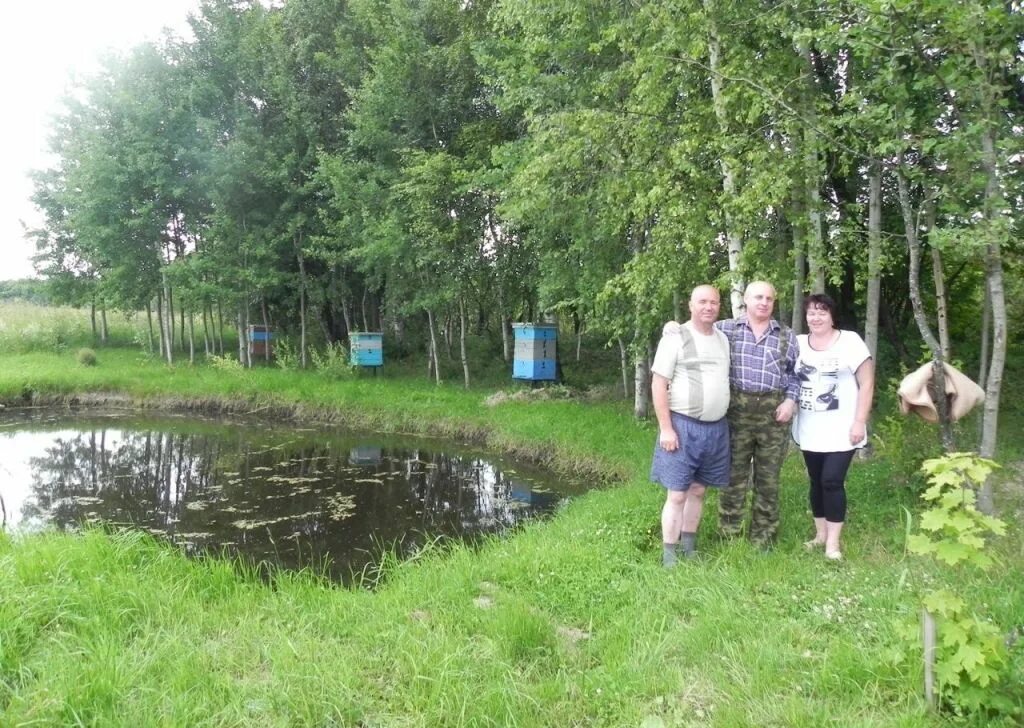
(569, 622)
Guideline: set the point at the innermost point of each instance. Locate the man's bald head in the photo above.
(705, 303)
(759, 299)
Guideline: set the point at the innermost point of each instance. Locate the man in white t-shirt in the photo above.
(690, 388)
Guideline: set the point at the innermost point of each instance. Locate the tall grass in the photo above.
(28, 327)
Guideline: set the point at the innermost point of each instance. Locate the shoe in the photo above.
(834, 555)
(813, 544)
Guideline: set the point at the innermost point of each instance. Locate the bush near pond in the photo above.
(86, 357)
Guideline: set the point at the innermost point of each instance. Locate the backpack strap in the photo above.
(783, 343)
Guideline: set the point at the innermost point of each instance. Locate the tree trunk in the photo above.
(220, 332)
(191, 338)
(812, 181)
(506, 339)
(168, 321)
(449, 335)
(160, 321)
(206, 330)
(939, 278)
(986, 330)
(149, 321)
(92, 317)
(624, 363)
(104, 331)
(910, 226)
(997, 294)
(433, 346)
(169, 312)
(799, 265)
(243, 344)
(942, 315)
(266, 327)
(874, 291)
(462, 342)
(729, 173)
(929, 640)
(641, 378)
(345, 315)
(301, 259)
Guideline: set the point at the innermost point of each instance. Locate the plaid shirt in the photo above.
(755, 366)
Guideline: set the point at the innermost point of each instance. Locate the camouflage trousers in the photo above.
(759, 445)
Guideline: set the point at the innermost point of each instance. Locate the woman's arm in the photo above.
(865, 395)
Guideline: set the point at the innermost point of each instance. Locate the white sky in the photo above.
(42, 44)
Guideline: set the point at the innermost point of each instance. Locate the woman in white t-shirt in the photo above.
(837, 384)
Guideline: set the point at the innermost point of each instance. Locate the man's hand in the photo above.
(668, 441)
(785, 411)
(671, 328)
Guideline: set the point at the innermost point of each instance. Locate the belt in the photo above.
(769, 393)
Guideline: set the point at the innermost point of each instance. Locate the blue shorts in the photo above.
(702, 456)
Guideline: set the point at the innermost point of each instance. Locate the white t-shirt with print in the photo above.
(827, 405)
(697, 365)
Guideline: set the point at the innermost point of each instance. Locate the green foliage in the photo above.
(286, 354)
(970, 657)
(332, 361)
(958, 528)
(905, 442)
(86, 357)
(226, 363)
(29, 290)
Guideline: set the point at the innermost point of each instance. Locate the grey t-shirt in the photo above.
(697, 365)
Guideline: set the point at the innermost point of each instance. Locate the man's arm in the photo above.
(666, 433)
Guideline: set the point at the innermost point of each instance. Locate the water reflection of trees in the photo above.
(295, 502)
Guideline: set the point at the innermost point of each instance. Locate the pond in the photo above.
(287, 497)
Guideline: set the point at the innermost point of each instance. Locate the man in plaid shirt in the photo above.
(763, 398)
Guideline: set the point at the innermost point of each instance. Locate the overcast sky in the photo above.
(43, 43)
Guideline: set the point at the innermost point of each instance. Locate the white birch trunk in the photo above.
(729, 174)
(874, 292)
(462, 343)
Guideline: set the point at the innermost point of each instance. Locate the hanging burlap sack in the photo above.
(915, 393)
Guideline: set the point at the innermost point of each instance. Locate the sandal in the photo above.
(813, 544)
(834, 555)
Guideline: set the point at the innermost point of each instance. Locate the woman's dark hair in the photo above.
(821, 300)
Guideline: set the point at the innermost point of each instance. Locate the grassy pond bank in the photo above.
(570, 621)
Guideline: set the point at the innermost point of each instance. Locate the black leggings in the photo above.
(827, 471)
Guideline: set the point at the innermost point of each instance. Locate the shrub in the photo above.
(970, 659)
(86, 357)
(286, 355)
(226, 363)
(333, 361)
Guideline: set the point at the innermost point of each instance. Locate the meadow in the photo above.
(571, 621)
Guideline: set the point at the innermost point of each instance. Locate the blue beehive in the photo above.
(366, 348)
(535, 352)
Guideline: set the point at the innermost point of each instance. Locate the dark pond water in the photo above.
(288, 497)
